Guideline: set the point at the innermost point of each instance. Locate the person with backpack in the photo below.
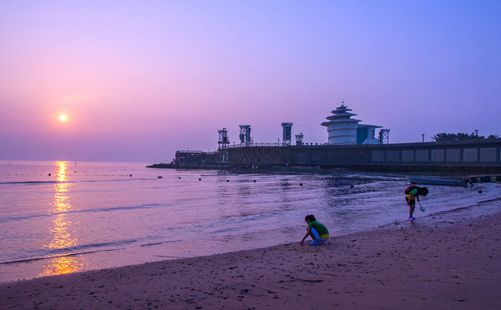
(412, 192)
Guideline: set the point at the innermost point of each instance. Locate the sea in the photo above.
(64, 217)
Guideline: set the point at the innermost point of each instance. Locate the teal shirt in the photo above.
(414, 192)
(320, 228)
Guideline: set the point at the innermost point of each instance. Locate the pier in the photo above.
(477, 156)
(350, 144)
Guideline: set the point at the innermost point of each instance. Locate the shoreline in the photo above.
(422, 217)
(441, 260)
(458, 170)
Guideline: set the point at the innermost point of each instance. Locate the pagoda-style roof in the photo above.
(342, 109)
(341, 115)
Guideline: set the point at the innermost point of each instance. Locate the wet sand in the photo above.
(438, 262)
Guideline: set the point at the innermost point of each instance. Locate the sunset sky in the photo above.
(137, 80)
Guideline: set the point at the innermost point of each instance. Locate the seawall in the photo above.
(468, 157)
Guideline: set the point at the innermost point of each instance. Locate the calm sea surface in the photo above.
(64, 217)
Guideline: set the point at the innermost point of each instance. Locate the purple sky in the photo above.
(141, 79)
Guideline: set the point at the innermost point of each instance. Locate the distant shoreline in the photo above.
(483, 175)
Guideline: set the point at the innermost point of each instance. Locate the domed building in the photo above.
(342, 129)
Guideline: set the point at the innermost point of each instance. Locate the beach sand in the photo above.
(438, 262)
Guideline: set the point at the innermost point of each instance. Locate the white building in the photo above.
(342, 129)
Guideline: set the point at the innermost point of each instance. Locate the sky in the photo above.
(139, 80)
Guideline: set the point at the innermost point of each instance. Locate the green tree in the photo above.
(461, 136)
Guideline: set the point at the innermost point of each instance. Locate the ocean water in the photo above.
(64, 217)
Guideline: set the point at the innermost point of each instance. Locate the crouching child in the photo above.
(316, 230)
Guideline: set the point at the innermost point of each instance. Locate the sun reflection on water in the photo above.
(61, 232)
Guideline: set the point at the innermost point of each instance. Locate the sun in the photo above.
(63, 118)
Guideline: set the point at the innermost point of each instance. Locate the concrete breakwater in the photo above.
(485, 178)
(468, 157)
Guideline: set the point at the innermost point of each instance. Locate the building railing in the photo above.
(209, 152)
(238, 145)
(235, 145)
(254, 145)
(191, 151)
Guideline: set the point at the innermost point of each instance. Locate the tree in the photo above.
(461, 136)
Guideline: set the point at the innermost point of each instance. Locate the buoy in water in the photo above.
(227, 180)
(480, 192)
(254, 181)
(199, 179)
(49, 174)
(179, 178)
(159, 177)
(300, 184)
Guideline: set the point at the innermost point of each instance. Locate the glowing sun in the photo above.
(63, 118)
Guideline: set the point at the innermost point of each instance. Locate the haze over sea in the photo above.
(89, 215)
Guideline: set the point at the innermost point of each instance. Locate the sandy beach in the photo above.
(443, 261)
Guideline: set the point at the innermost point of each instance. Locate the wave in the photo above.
(72, 251)
(159, 243)
(490, 200)
(71, 182)
(29, 260)
(77, 248)
(30, 182)
(14, 218)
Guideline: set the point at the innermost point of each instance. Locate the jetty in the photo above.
(351, 145)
